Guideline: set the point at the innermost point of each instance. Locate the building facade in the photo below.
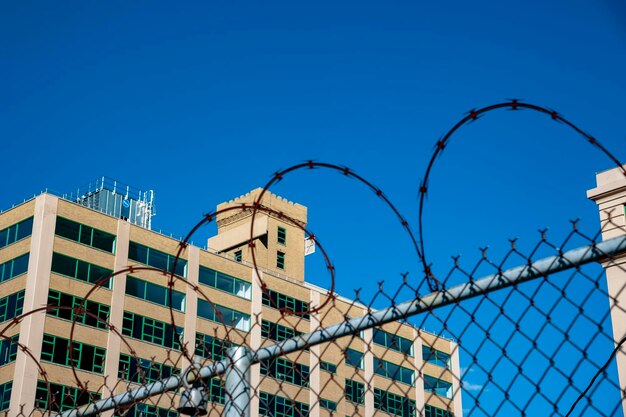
(52, 251)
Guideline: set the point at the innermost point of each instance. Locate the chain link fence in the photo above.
(535, 333)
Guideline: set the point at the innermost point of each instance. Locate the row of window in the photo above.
(86, 357)
(286, 370)
(224, 315)
(147, 410)
(277, 406)
(328, 367)
(150, 330)
(11, 306)
(56, 298)
(280, 301)
(328, 404)
(5, 395)
(16, 232)
(143, 370)
(157, 259)
(277, 332)
(393, 341)
(430, 411)
(354, 358)
(80, 270)
(354, 391)
(14, 267)
(393, 371)
(436, 357)
(57, 397)
(393, 404)
(437, 386)
(8, 350)
(227, 283)
(84, 234)
(155, 293)
(211, 347)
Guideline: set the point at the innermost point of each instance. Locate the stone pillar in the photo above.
(610, 196)
(37, 284)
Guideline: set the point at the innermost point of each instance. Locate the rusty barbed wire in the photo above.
(388, 379)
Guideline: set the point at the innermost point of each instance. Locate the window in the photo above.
(280, 301)
(84, 234)
(392, 341)
(430, 411)
(276, 406)
(56, 298)
(11, 306)
(227, 283)
(354, 358)
(16, 232)
(81, 270)
(217, 393)
(57, 397)
(282, 236)
(8, 351)
(277, 332)
(286, 370)
(437, 386)
(143, 370)
(153, 293)
(393, 404)
(355, 391)
(328, 367)
(150, 330)
(157, 259)
(238, 256)
(211, 347)
(86, 357)
(223, 315)
(147, 410)
(5, 395)
(280, 260)
(436, 357)
(393, 371)
(328, 404)
(14, 267)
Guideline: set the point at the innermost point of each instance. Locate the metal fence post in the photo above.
(237, 383)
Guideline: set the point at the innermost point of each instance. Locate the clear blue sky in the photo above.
(203, 102)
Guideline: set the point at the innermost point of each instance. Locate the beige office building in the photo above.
(53, 250)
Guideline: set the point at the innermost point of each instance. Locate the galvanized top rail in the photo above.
(541, 268)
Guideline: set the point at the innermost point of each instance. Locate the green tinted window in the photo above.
(11, 306)
(92, 309)
(150, 330)
(14, 267)
(286, 370)
(86, 357)
(16, 232)
(157, 259)
(5, 395)
(155, 293)
(276, 406)
(223, 315)
(57, 397)
(355, 391)
(393, 371)
(224, 282)
(143, 370)
(84, 234)
(80, 270)
(280, 301)
(393, 404)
